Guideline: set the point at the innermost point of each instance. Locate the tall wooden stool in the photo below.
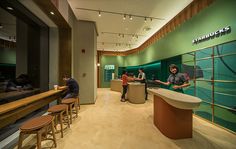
(72, 103)
(78, 102)
(41, 126)
(58, 112)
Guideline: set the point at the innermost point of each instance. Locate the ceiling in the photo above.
(117, 34)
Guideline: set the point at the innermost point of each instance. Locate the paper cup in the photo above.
(55, 87)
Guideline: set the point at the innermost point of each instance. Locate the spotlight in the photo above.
(130, 17)
(9, 8)
(52, 13)
(150, 19)
(99, 14)
(145, 19)
(124, 17)
(1, 26)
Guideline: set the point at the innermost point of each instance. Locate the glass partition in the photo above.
(212, 74)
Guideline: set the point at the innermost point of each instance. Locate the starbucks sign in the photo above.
(212, 35)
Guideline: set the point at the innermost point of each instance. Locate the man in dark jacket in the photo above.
(73, 87)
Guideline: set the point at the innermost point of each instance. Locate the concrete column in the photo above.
(84, 60)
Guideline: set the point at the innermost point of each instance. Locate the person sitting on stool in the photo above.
(73, 87)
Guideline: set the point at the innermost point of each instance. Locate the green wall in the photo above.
(218, 15)
(7, 56)
(110, 60)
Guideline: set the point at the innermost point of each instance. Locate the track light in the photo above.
(130, 17)
(150, 19)
(119, 13)
(9, 8)
(145, 19)
(124, 17)
(99, 14)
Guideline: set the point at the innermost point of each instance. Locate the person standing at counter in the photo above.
(125, 80)
(177, 81)
(142, 79)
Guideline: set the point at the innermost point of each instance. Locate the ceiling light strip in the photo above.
(119, 13)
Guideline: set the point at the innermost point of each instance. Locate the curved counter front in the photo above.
(116, 85)
(136, 92)
(173, 112)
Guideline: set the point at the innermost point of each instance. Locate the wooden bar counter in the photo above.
(10, 112)
(173, 112)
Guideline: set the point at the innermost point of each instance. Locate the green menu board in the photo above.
(108, 70)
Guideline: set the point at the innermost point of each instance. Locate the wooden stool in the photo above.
(71, 102)
(58, 112)
(41, 126)
(78, 101)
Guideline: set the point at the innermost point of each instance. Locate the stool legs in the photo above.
(61, 123)
(78, 103)
(71, 113)
(53, 134)
(39, 139)
(20, 140)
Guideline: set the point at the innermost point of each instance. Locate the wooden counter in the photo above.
(173, 112)
(10, 112)
(116, 85)
(136, 93)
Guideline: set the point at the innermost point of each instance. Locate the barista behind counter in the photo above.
(176, 80)
(142, 79)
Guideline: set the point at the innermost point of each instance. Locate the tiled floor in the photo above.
(111, 124)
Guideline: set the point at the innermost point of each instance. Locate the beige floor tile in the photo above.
(111, 124)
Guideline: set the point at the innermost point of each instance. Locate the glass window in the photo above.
(225, 117)
(204, 111)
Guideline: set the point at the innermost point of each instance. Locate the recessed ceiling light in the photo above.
(9, 8)
(52, 13)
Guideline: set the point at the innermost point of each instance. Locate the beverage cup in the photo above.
(55, 87)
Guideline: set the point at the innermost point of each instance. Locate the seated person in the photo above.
(73, 87)
(22, 82)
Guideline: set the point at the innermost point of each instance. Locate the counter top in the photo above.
(136, 83)
(25, 101)
(178, 100)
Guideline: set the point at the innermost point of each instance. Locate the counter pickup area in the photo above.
(173, 112)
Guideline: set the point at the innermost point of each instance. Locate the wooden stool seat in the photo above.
(68, 101)
(72, 103)
(37, 123)
(57, 108)
(41, 126)
(58, 112)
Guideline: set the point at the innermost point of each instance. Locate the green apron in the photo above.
(180, 90)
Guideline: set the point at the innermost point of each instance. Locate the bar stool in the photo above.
(58, 112)
(71, 102)
(78, 102)
(41, 126)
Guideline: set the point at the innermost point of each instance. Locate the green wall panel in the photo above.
(218, 15)
(7, 56)
(118, 61)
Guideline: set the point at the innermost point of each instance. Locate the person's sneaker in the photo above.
(122, 100)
